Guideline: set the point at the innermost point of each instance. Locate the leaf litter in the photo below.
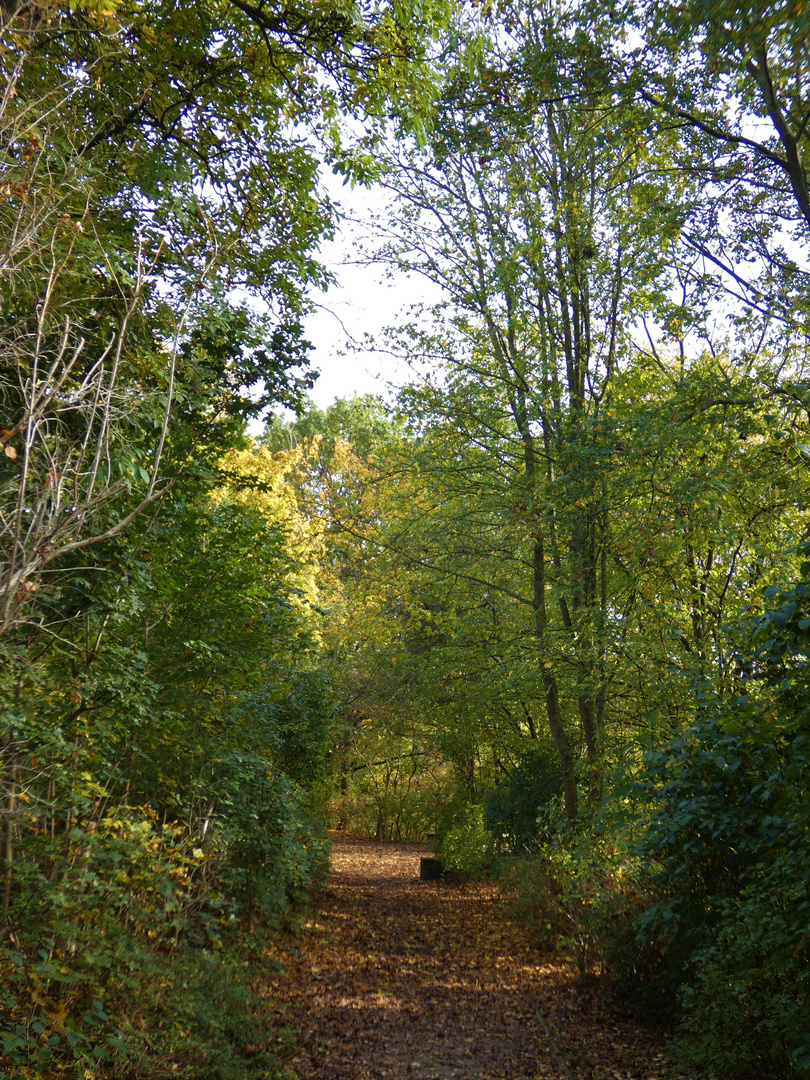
(406, 979)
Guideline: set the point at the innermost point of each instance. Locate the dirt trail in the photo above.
(402, 978)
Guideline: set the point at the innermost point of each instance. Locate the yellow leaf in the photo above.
(58, 1013)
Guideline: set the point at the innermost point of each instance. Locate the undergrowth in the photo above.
(129, 952)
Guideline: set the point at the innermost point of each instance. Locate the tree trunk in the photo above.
(553, 711)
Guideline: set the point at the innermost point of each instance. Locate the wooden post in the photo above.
(430, 869)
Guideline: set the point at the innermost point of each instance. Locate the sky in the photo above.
(357, 305)
(362, 302)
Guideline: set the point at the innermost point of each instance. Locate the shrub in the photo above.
(274, 851)
(516, 814)
(583, 900)
(728, 856)
(748, 1004)
(462, 842)
(124, 925)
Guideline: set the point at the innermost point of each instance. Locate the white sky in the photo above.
(358, 304)
(362, 302)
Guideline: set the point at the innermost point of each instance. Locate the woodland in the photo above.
(550, 602)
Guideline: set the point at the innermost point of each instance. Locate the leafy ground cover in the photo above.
(397, 977)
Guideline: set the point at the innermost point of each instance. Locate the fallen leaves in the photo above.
(400, 978)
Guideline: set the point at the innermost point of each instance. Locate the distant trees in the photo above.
(562, 443)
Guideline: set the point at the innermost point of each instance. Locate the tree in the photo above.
(163, 705)
(733, 77)
(534, 206)
(136, 152)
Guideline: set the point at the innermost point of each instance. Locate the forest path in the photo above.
(401, 978)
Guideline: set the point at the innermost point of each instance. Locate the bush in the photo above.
(274, 851)
(728, 854)
(747, 1007)
(124, 925)
(462, 843)
(583, 900)
(728, 857)
(516, 814)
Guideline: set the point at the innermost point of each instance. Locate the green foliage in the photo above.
(156, 762)
(122, 926)
(583, 899)
(301, 722)
(219, 1020)
(462, 842)
(164, 705)
(363, 422)
(544, 550)
(274, 851)
(745, 1007)
(727, 849)
(518, 812)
